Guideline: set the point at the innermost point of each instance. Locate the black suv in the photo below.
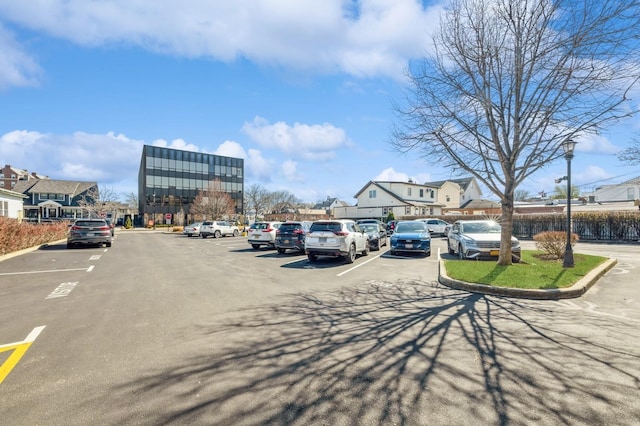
(291, 235)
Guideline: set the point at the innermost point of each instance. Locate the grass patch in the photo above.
(534, 272)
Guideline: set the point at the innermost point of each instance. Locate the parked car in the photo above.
(475, 239)
(411, 236)
(361, 221)
(391, 226)
(111, 225)
(89, 232)
(336, 238)
(218, 228)
(263, 234)
(436, 226)
(192, 230)
(291, 235)
(377, 233)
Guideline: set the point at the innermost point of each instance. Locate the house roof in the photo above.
(480, 204)
(413, 202)
(12, 193)
(53, 186)
(462, 182)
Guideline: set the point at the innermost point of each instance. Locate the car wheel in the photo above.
(451, 251)
(281, 250)
(235, 233)
(188, 235)
(515, 258)
(255, 246)
(203, 235)
(351, 256)
(379, 245)
(216, 234)
(108, 244)
(69, 245)
(427, 253)
(460, 252)
(365, 252)
(393, 252)
(312, 257)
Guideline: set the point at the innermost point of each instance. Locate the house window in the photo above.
(2, 183)
(409, 192)
(433, 194)
(422, 193)
(385, 211)
(631, 192)
(448, 198)
(372, 193)
(407, 210)
(4, 208)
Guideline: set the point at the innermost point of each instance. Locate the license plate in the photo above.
(322, 239)
(494, 252)
(408, 246)
(256, 236)
(286, 241)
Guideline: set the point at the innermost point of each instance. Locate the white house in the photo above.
(625, 191)
(404, 199)
(456, 192)
(12, 204)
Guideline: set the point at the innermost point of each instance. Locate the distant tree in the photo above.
(213, 202)
(131, 199)
(631, 155)
(282, 201)
(560, 192)
(521, 194)
(510, 80)
(99, 202)
(257, 199)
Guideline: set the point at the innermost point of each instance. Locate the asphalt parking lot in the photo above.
(165, 329)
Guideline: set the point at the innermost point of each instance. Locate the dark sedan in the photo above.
(377, 234)
(89, 232)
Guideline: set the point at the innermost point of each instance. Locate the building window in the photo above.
(372, 193)
(385, 211)
(407, 210)
(422, 193)
(433, 193)
(4, 208)
(2, 183)
(409, 192)
(631, 192)
(448, 198)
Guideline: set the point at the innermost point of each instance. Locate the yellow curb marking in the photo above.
(19, 349)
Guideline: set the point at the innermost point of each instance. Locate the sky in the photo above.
(302, 90)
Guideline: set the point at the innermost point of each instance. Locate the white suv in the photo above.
(218, 228)
(336, 238)
(263, 234)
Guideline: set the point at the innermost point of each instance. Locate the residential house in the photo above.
(329, 205)
(476, 207)
(377, 199)
(9, 176)
(54, 199)
(11, 204)
(455, 192)
(625, 191)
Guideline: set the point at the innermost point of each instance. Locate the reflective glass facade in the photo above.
(176, 176)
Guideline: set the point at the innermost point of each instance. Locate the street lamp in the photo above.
(154, 210)
(568, 146)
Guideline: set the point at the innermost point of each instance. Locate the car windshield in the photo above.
(261, 225)
(369, 227)
(288, 227)
(90, 223)
(326, 226)
(481, 228)
(410, 227)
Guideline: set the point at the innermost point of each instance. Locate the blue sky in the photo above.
(302, 90)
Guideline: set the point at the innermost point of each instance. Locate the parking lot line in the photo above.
(358, 265)
(46, 272)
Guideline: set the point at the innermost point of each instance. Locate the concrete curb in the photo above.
(576, 290)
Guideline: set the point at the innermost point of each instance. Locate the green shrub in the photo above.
(553, 243)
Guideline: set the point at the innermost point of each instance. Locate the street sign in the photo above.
(168, 216)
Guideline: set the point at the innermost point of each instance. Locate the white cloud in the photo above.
(360, 38)
(17, 67)
(176, 144)
(596, 143)
(290, 171)
(310, 142)
(389, 174)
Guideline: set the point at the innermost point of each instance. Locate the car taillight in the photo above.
(298, 231)
(341, 233)
(75, 228)
(267, 230)
(277, 232)
(105, 228)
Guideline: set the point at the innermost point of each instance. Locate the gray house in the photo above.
(54, 199)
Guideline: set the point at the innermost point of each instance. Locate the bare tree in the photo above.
(282, 201)
(213, 202)
(510, 80)
(99, 202)
(131, 199)
(521, 194)
(257, 199)
(631, 155)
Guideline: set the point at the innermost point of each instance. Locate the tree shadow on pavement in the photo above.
(395, 353)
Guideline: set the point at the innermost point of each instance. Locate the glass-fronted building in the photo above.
(169, 179)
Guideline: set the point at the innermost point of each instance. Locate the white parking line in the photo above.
(358, 265)
(46, 272)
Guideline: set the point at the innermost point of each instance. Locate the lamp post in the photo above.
(154, 210)
(568, 145)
